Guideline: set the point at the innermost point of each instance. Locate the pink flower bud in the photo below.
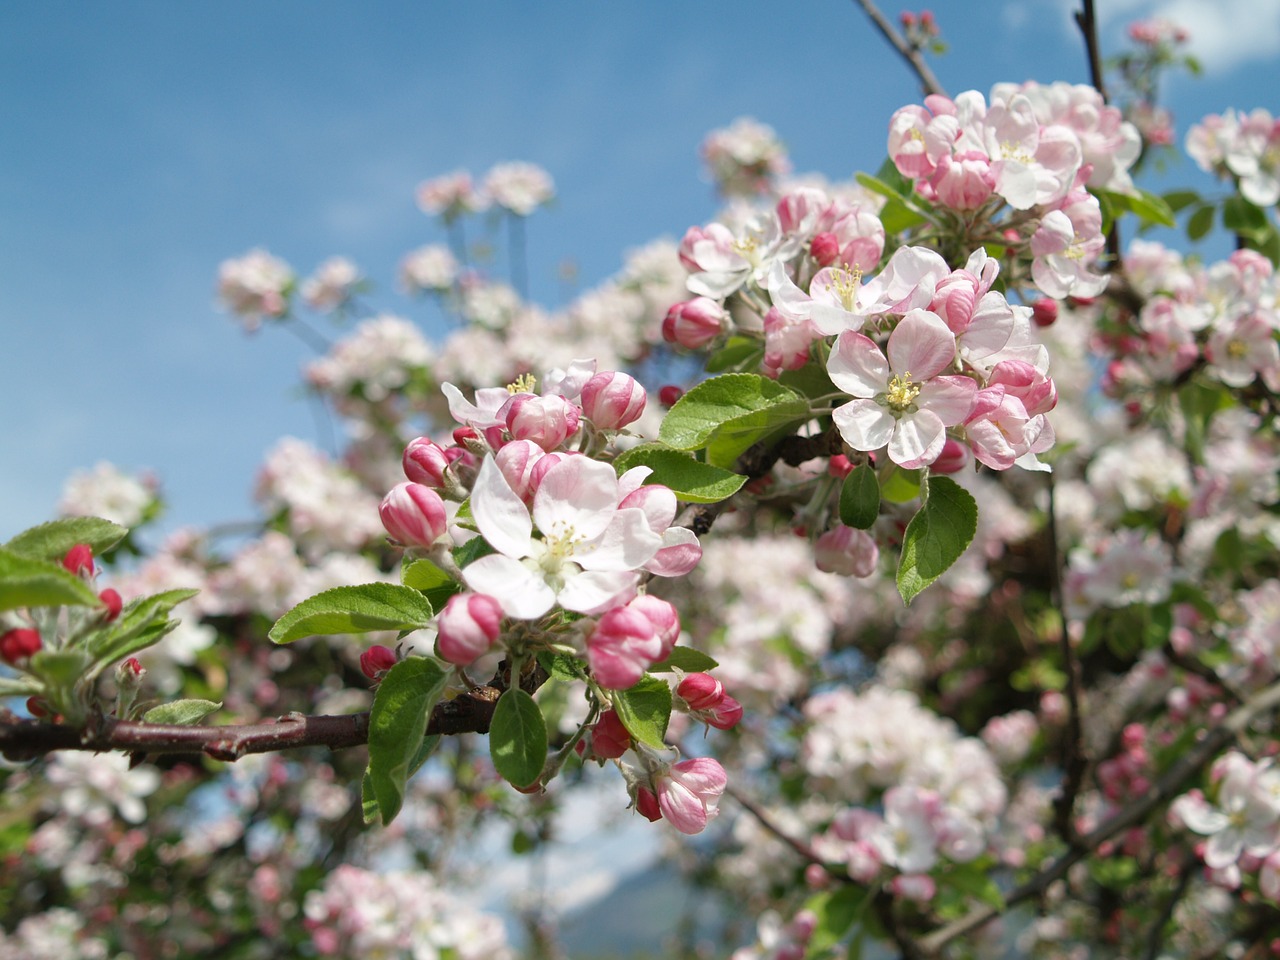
(693, 323)
(622, 646)
(425, 462)
(824, 248)
(133, 666)
(112, 601)
(1020, 379)
(689, 793)
(518, 461)
(19, 644)
(953, 458)
(669, 394)
(611, 400)
(414, 515)
(700, 691)
(663, 616)
(376, 661)
(547, 421)
(918, 887)
(647, 805)
(839, 466)
(725, 715)
(79, 560)
(846, 551)
(609, 738)
(1044, 312)
(469, 626)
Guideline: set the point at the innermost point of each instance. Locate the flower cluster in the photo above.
(1245, 147)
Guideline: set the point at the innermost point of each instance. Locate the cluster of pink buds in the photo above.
(79, 560)
(704, 695)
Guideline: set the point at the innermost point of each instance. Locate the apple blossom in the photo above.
(694, 323)
(413, 514)
(468, 626)
(425, 461)
(689, 793)
(548, 420)
(902, 401)
(846, 551)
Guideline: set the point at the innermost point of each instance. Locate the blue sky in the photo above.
(145, 141)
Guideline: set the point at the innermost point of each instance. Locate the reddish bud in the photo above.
(700, 691)
(647, 804)
(376, 661)
(953, 459)
(547, 421)
(18, 644)
(112, 601)
(846, 551)
(37, 708)
(668, 395)
(693, 323)
(425, 461)
(79, 560)
(609, 738)
(133, 666)
(839, 466)
(462, 434)
(824, 248)
(1044, 312)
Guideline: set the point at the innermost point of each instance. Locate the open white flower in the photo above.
(584, 553)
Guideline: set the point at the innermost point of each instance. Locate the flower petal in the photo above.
(918, 440)
(499, 512)
(857, 366)
(864, 424)
(520, 591)
(576, 497)
(921, 345)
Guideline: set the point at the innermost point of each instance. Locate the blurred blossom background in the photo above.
(146, 142)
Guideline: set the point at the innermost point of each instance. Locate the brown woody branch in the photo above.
(470, 712)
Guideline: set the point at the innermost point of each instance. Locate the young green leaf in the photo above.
(837, 911)
(401, 710)
(738, 352)
(1201, 221)
(860, 498)
(690, 480)
(731, 412)
(183, 712)
(369, 802)
(52, 540)
(425, 577)
(137, 622)
(645, 710)
(27, 581)
(518, 738)
(686, 659)
(1242, 217)
(936, 536)
(359, 609)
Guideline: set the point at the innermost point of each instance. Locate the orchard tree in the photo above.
(911, 539)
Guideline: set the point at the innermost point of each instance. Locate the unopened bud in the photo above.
(669, 394)
(953, 458)
(112, 601)
(376, 661)
(824, 248)
(647, 804)
(1044, 312)
(609, 738)
(612, 400)
(693, 323)
(700, 691)
(79, 560)
(839, 466)
(468, 627)
(413, 514)
(846, 551)
(19, 644)
(425, 462)
(547, 421)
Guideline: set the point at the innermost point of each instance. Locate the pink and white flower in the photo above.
(689, 793)
(903, 400)
(586, 552)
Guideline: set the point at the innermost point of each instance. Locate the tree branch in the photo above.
(928, 82)
(1172, 782)
(469, 712)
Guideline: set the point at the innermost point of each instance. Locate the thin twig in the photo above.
(1087, 21)
(753, 808)
(928, 82)
(1172, 782)
(1155, 937)
(1074, 760)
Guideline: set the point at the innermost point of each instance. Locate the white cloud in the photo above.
(1224, 34)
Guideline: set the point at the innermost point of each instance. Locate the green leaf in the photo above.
(936, 536)
(974, 880)
(142, 622)
(687, 659)
(369, 802)
(425, 577)
(645, 710)
(738, 352)
(837, 911)
(1179, 200)
(360, 609)
(59, 668)
(1200, 222)
(1149, 207)
(51, 541)
(860, 498)
(18, 686)
(877, 185)
(730, 412)
(27, 581)
(1266, 242)
(1242, 217)
(690, 480)
(183, 712)
(896, 216)
(518, 738)
(401, 710)
(901, 486)
(471, 551)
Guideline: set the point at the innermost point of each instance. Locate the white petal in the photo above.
(918, 440)
(500, 514)
(594, 591)
(520, 591)
(576, 497)
(626, 544)
(864, 424)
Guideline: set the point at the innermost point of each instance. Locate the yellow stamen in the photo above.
(525, 383)
(844, 283)
(902, 391)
